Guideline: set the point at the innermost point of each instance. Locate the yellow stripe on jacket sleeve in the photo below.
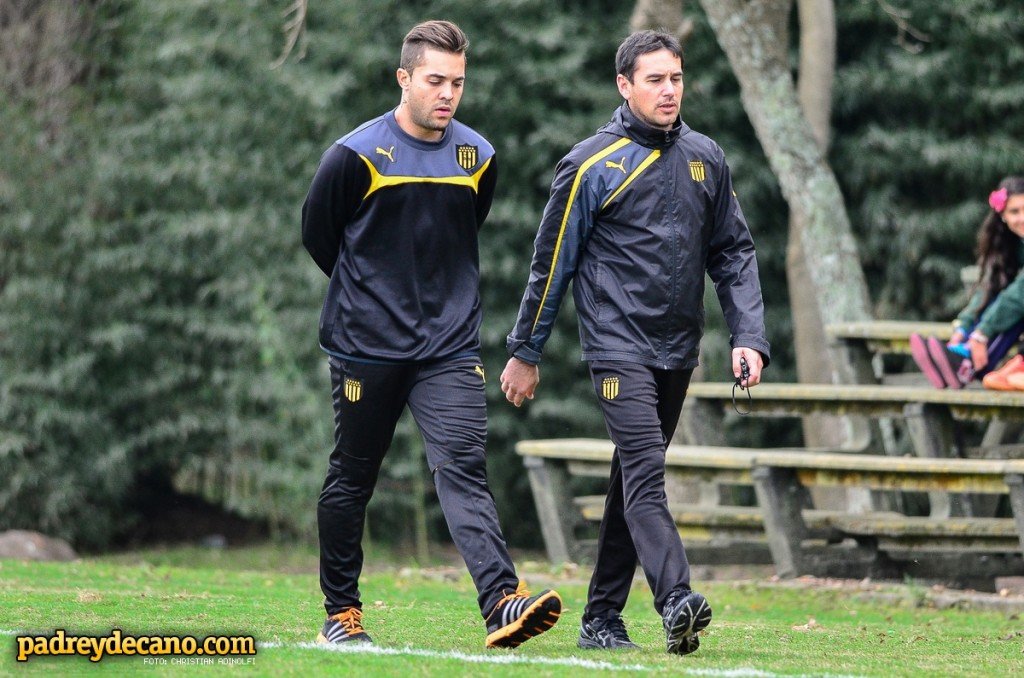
(655, 154)
(565, 216)
(379, 181)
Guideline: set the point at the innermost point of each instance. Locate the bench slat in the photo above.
(869, 399)
(880, 523)
(595, 450)
(922, 481)
(862, 393)
(911, 546)
(888, 330)
(918, 526)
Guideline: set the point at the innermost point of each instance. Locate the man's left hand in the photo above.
(754, 363)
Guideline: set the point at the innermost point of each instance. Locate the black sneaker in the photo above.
(344, 627)
(605, 633)
(686, 613)
(519, 616)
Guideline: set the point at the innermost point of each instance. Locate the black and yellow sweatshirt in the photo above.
(393, 221)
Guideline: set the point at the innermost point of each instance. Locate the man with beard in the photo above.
(392, 218)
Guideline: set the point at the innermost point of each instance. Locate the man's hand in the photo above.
(519, 380)
(754, 363)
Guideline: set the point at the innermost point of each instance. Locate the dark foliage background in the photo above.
(158, 314)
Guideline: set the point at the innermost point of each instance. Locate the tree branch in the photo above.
(817, 64)
(900, 18)
(294, 30)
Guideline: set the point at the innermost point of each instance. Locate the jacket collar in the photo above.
(625, 123)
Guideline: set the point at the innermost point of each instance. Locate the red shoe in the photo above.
(1000, 380)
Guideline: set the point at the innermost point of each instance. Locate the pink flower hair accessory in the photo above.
(997, 199)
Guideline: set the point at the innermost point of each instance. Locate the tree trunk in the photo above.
(664, 15)
(744, 29)
(38, 58)
(814, 91)
(817, 65)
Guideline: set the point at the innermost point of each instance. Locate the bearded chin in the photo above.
(422, 119)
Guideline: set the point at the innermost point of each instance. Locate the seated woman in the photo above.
(993, 320)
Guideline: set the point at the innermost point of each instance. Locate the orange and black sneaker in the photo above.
(519, 616)
(344, 627)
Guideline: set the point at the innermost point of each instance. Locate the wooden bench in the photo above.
(551, 464)
(781, 480)
(886, 543)
(732, 527)
(929, 415)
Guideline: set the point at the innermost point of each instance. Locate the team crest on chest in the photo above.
(697, 170)
(610, 388)
(353, 389)
(466, 156)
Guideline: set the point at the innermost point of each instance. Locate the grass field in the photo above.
(425, 623)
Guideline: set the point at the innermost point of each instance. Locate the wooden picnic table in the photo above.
(929, 414)
(886, 336)
(863, 343)
(865, 399)
(799, 537)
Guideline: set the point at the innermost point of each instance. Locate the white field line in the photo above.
(503, 658)
(496, 658)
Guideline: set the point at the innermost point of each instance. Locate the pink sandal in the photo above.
(942, 359)
(919, 351)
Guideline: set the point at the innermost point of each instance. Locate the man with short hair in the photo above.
(392, 218)
(637, 214)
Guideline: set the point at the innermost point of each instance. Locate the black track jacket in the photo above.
(637, 215)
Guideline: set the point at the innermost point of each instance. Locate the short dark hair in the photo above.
(640, 43)
(440, 35)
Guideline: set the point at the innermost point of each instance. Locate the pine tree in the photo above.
(926, 127)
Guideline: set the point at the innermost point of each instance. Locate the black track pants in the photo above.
(641, 407)
(448, 403)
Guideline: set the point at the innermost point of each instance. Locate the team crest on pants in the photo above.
(353, 389)
(610, 388)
